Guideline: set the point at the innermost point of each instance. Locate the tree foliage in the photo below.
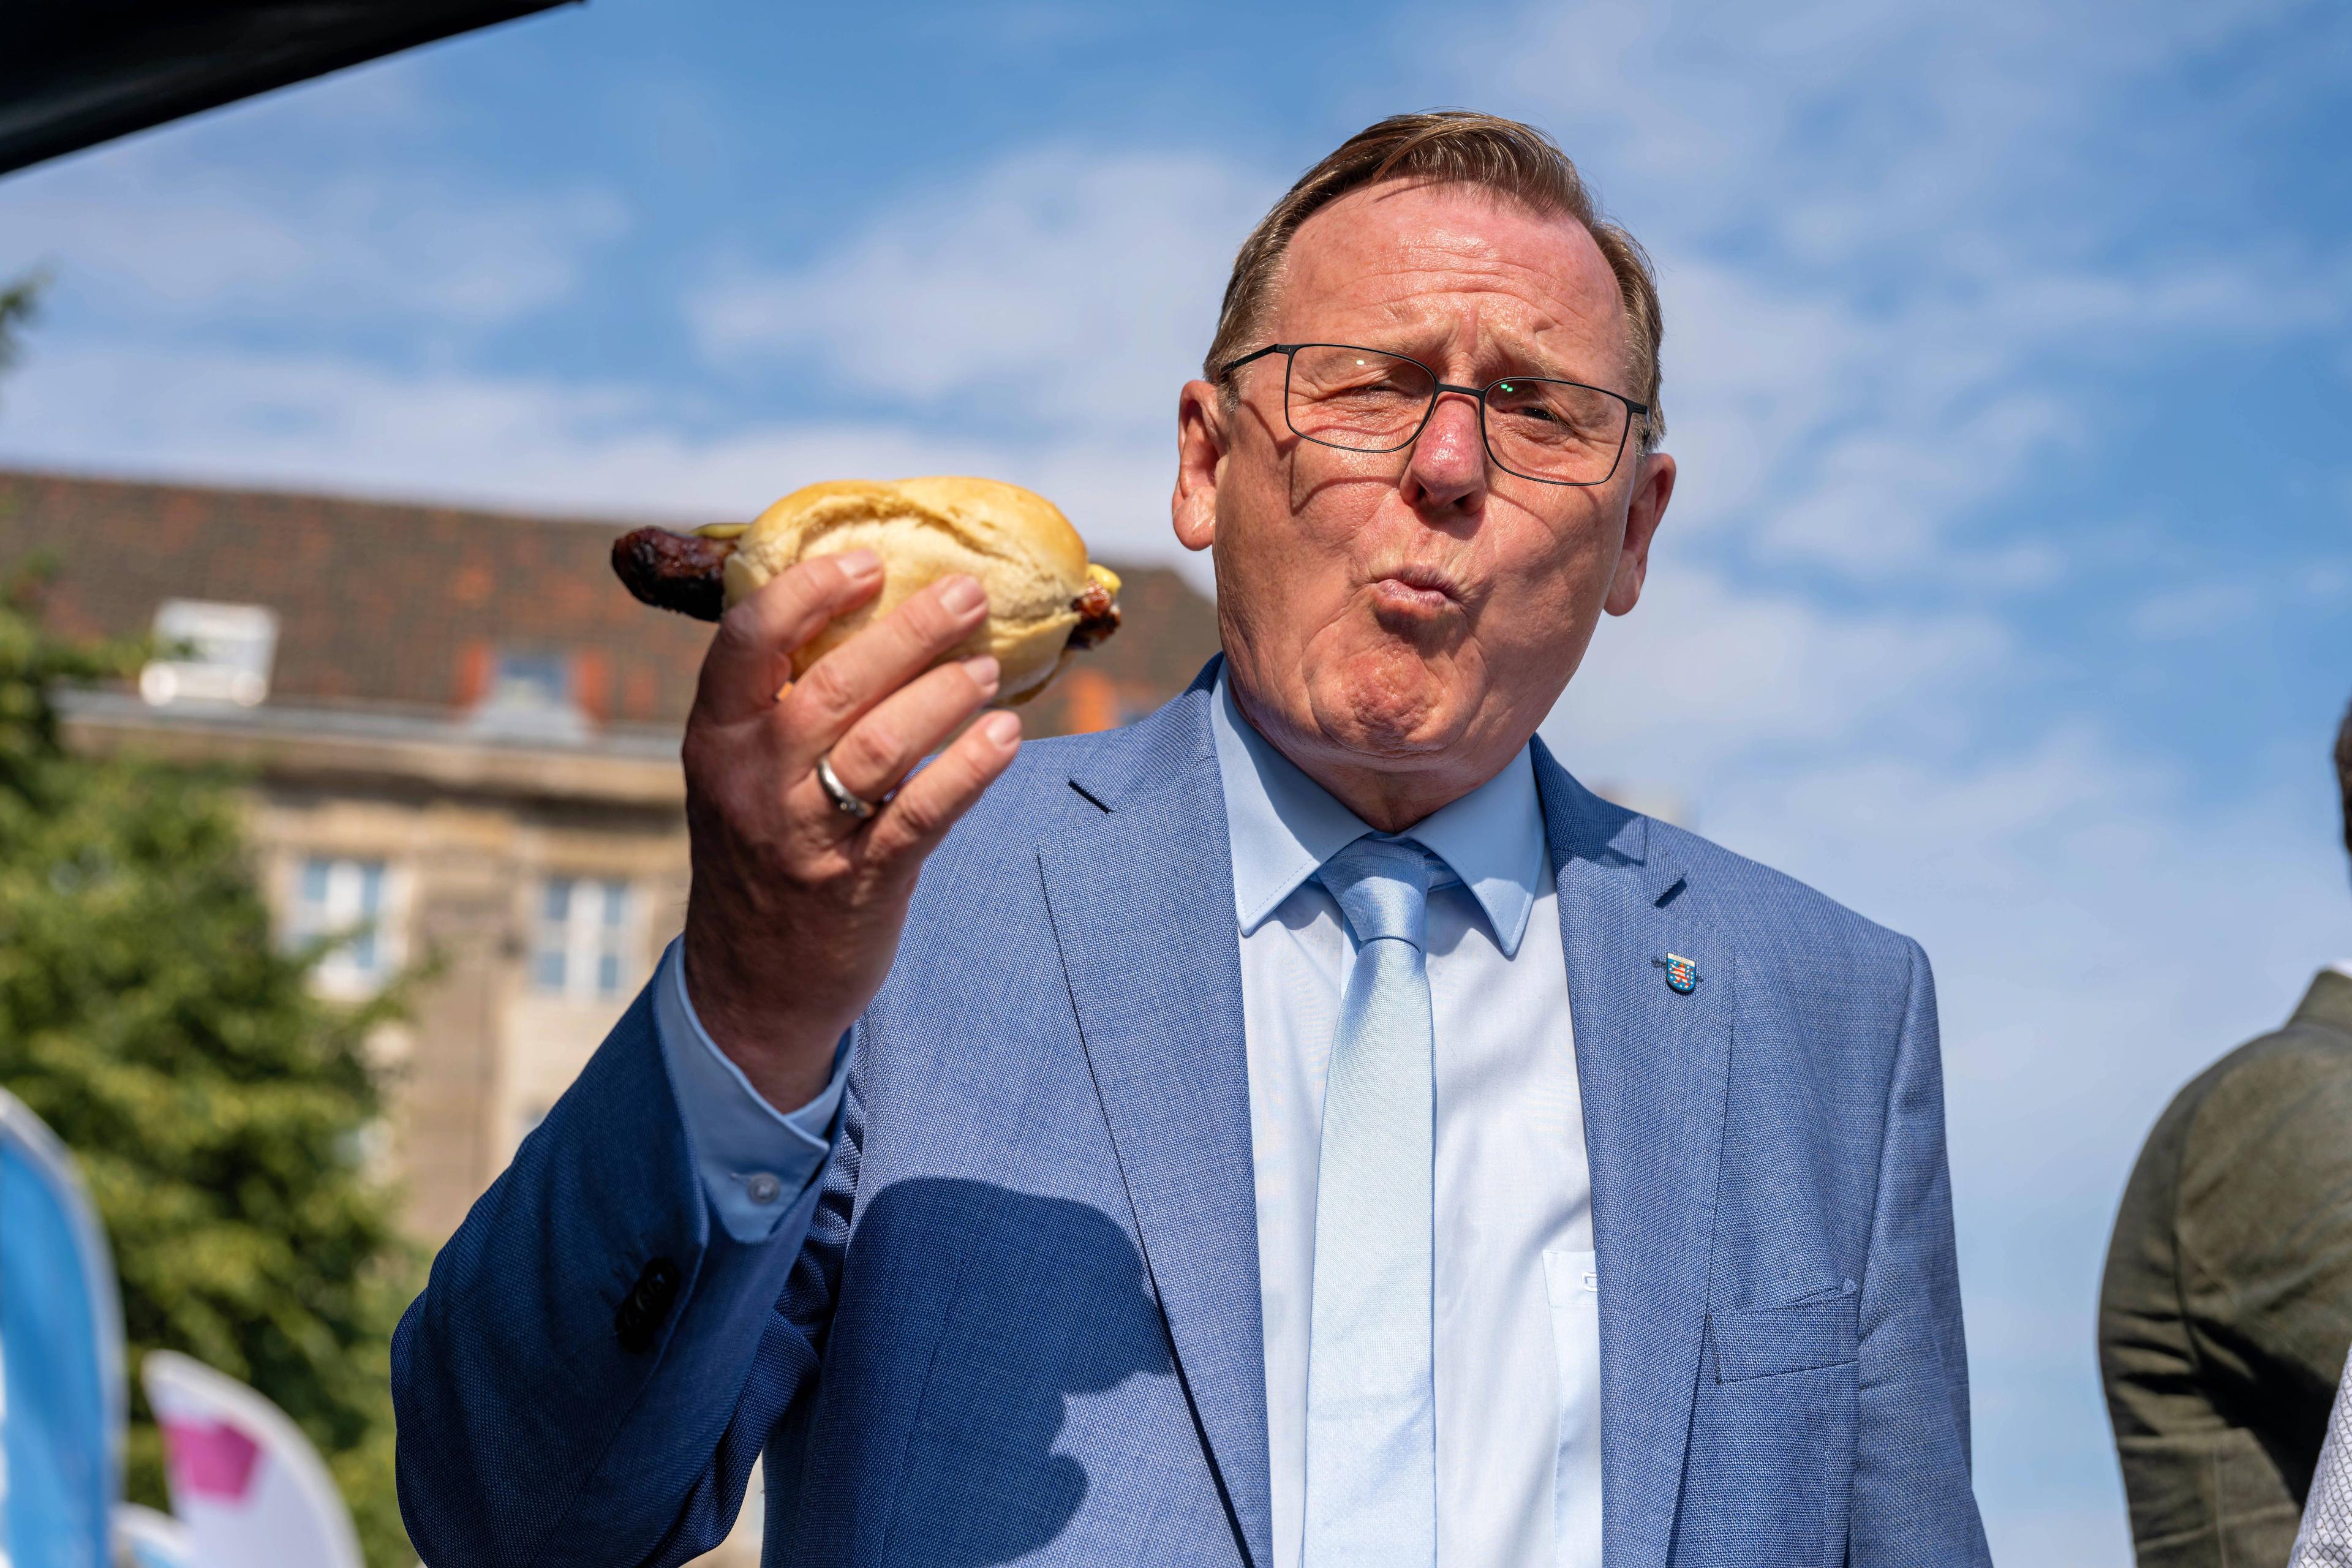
(220, 1109)
(17, 300)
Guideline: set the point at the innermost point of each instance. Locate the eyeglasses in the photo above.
(1369, 400)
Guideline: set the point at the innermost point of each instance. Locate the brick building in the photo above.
(462, 734)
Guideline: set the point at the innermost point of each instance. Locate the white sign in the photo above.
(151, 1540)
(245, 1481)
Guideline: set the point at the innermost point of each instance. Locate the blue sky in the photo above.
(2007, 596)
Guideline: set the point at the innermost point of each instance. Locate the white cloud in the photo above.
(1706, 672)
(184, 243)
(1751, 373)
(1880, 497)
(2326, 579)
(2199, 610)
(518, 440)
(1076, 288)
(1870, 436)
(1858, 124)
(526, 442)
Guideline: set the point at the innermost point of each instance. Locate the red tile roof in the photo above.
(388, 604)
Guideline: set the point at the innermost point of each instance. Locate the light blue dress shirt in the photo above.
(1516, 1320)
(755, 1160)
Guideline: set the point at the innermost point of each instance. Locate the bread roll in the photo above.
(1017, 544)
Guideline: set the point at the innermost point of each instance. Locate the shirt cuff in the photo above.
(754, 1161)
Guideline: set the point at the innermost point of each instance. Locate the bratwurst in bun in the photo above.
(1045, 601)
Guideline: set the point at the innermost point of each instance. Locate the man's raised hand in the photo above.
(797, 905)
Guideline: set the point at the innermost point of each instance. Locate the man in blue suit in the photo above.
(1305, 1128)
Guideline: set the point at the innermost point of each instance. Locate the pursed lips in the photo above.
(1425, 587)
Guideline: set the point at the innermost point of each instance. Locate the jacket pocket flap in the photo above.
(1785, 1339)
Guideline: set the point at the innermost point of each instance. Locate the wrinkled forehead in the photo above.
(1456, 269)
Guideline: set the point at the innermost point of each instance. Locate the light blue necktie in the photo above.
(1371, 1405)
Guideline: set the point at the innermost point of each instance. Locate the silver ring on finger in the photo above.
(844, 801)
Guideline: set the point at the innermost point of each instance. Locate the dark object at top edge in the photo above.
(78, 72)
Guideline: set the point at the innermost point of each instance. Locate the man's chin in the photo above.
(1390, 719)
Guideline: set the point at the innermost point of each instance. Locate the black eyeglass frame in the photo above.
(1477, 394)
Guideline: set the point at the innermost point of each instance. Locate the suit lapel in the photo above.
(1653, 1066)
(1141, 896)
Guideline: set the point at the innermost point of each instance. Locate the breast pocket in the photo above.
(1573, 1283)
(1796, 1338)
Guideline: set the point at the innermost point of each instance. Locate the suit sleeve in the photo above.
(596, 1361)
(2265, 1228)
(1913, 1502)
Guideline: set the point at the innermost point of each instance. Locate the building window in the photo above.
(582, 950)
(530, 694)
(345, 899)
(531, 681)
(211, 653)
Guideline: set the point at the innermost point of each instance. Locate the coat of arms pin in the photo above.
(1682, 973)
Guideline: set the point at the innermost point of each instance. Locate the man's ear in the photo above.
(1202, 438)
(1654, 486)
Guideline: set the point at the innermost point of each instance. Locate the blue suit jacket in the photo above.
(1025, 1322)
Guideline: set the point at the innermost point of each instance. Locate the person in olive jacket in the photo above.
(2227, 1301)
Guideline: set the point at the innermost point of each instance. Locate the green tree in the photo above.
(219, 1108)
(17, 302)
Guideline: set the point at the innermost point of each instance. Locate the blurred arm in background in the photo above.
(2227, 1301)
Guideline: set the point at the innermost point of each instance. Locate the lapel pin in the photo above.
(1682, 973)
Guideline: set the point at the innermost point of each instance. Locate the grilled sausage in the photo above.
(688, 573)
(681, 571)
(1098, 617)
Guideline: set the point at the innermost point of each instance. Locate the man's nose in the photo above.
(1448, 465)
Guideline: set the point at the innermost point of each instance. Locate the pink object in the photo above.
(247, 1488)
(211, 1458)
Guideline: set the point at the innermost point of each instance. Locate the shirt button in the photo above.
(763, 1188)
